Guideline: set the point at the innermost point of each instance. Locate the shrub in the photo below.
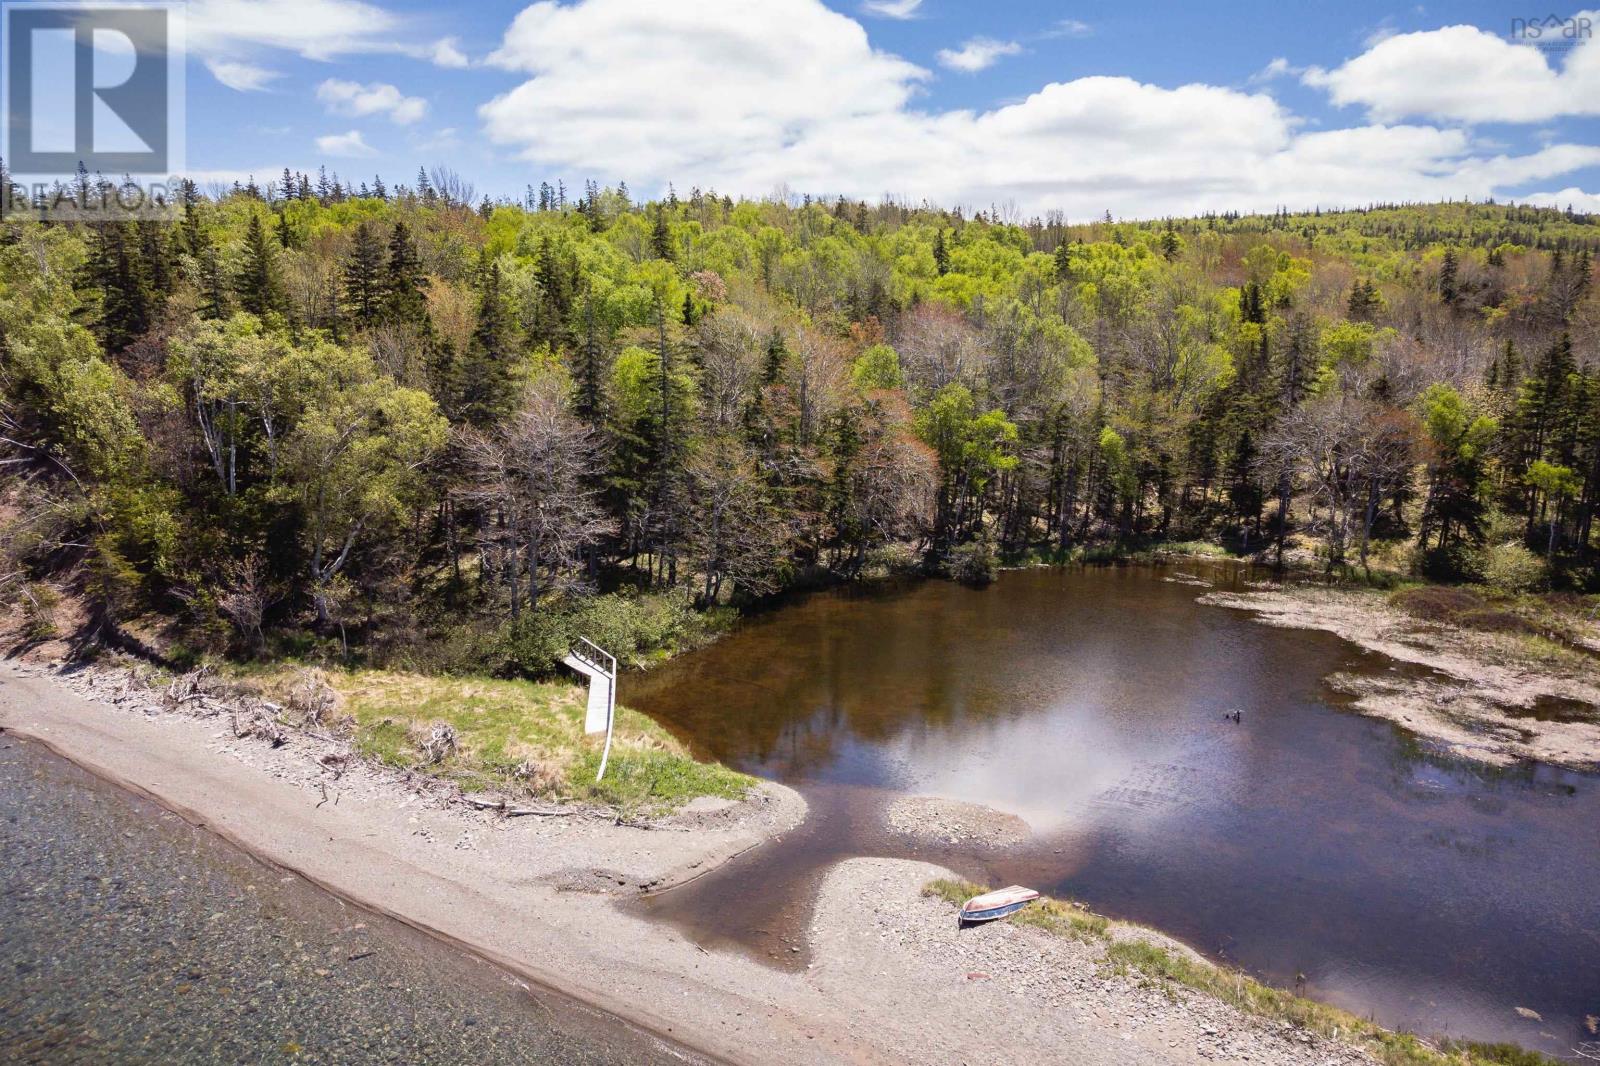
(39, 612)
(972, 564)
(1510, 567)
(634, 628)
(1433, 603)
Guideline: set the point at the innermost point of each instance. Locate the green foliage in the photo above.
(877, 368)
(637, 629)
(1511, 567)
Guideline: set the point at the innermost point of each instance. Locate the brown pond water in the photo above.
(1430, 893)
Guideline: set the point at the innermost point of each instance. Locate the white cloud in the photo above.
(1068, 28)
(245, 77)
(1577, 199)
(1465, 74)
(357, 100)
(978, 53)
(351, 145)
(448, 53)
(790, 92)
(892, 9)
(1272, 71)
(316, 29)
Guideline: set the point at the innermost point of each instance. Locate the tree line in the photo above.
(385, 411)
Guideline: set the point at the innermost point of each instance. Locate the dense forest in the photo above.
(407, 424)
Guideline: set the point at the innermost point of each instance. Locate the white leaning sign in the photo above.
(600, 667)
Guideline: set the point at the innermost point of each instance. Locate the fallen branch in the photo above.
(506, 811)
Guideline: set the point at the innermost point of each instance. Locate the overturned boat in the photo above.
(996, 904)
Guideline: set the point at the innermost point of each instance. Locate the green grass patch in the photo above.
(1054, 916)
(1163, 966)
(525, 737)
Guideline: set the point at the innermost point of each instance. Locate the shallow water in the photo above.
(129, 936)
(1430, 893)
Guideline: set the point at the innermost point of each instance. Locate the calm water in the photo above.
(1427, 892)
(129, 936)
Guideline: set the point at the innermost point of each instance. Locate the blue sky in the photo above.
(1140, 109)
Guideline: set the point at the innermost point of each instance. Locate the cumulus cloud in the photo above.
(978, 53)
(353, 98)
(1465, 74)
(244, 77)
(790, 92)
(349, 145)
(448, 53)
(892, 9)
(1573, 197)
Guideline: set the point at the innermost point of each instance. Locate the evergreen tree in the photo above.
(1063, 257)
(1169, 243)
(257, 286)
(941, 254)
(127, 300)
(404, 295)
(1447, 277)
(777, 357)
(661, 237)
(488, 372)
(363, 277)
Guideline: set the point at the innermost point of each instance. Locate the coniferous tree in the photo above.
(1169, 243)
(363, 277)
(404, 295)
(661, 237)
(487, 372)
(258, 286)
(118, 269)
(941, 254)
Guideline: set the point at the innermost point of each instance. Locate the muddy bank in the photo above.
(1474, 694)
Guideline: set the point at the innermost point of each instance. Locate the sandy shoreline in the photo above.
(1469, 692)
(890, 978)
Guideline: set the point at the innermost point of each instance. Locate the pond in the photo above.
(1430, 893)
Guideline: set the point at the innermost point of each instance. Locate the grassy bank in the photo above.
(1168, 968)
(521, 737)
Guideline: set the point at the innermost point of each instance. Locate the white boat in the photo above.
(997, 904)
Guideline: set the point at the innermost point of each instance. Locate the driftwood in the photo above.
(505, 810)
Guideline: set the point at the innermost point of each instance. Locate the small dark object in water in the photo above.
(1233, 716)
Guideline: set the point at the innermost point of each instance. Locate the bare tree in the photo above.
(538, 477)
(1348, 451)
(735, 532)
(247, 595)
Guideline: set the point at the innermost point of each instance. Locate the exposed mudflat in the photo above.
(1476, 696)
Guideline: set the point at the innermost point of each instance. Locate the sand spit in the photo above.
(1477, 697)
